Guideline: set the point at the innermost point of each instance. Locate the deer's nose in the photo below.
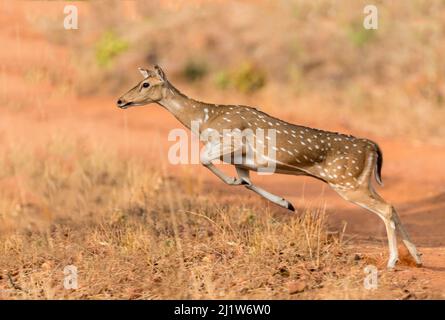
(121, 103)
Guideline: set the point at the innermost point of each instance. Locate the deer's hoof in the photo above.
(290, 207)
(392, 263)
(244, 182)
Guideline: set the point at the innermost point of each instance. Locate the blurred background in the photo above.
(74, 168)
(281, 52)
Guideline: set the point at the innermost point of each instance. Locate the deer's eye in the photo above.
(145, 84)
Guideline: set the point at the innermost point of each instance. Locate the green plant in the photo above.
(246, 78)
(194, 70)
(360, 36)
(108, 47)
(222, 79)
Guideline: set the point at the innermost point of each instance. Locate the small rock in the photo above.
(296, 286)
(284, 272)
(47, 265)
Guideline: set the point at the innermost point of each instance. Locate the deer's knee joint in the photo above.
(205, 161)
(389, 213)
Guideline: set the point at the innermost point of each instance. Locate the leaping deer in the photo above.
(344, 162)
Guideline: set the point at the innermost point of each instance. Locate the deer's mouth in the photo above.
(124, 105)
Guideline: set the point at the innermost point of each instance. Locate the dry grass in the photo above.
(134, 232)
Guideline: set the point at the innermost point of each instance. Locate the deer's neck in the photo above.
(185, 109)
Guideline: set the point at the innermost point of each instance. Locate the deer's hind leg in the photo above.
(368, 198)
(406, 239)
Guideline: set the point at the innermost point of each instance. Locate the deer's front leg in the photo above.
(245, 180)
(216, 151)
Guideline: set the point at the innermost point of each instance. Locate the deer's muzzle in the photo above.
(122, 104)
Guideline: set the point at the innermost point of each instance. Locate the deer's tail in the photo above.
(378, 165)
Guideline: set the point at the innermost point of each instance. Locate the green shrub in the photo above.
(247, 78)
(360, 36)
(194, 70)
(108, 47)
(222, 80)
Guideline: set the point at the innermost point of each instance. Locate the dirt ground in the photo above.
(33, 112)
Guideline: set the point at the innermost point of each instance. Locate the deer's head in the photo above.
(147, 91)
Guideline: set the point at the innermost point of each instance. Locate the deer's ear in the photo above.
(160, 73)
(145, 73)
